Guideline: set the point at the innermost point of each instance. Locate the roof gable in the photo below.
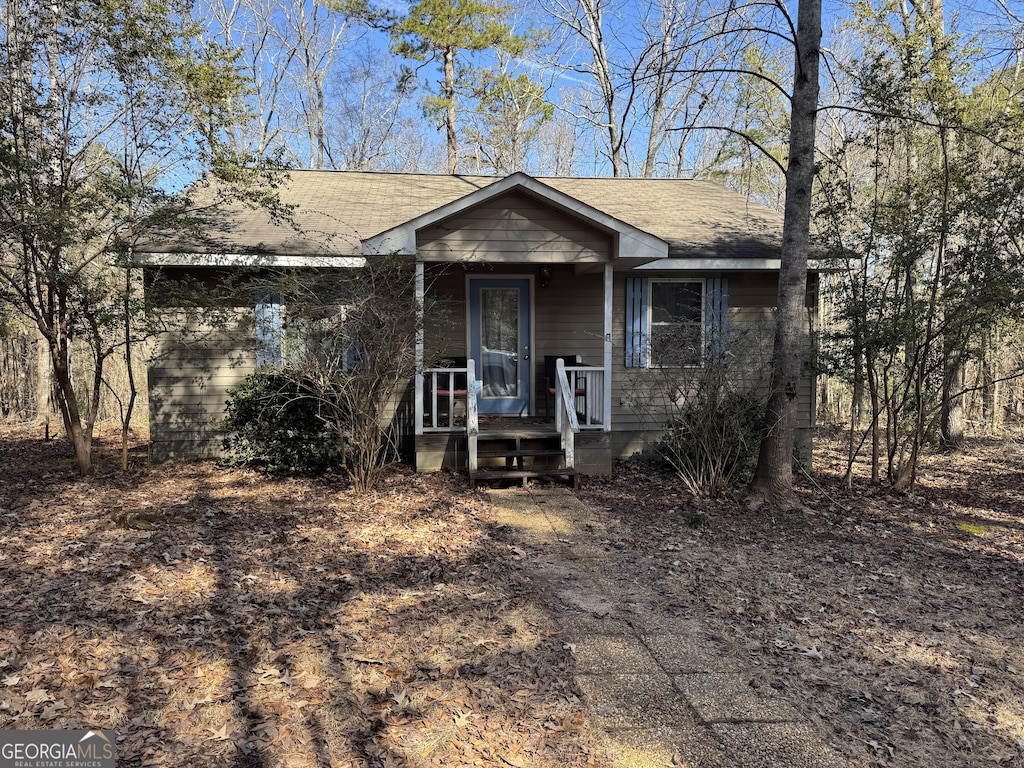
(633, 244)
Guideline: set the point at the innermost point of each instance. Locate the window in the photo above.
(286, 339)
(676, 323)
(269, 331)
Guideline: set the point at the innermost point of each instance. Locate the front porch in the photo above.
(451, 433)
(522, 384)
(527, 274)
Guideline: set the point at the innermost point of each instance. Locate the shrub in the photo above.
(274, 423)
(711, 441)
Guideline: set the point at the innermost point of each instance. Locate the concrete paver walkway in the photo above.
(660, 694)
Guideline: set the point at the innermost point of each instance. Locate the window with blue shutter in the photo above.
(716, 319)
(676, 322)
(637, 295)
(269, 331)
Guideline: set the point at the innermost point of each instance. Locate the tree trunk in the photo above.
(990, 385)
(133, 390)
(876, 432)
(44, 383)
(79, 435)
(953, 382)
(448, 92)
(773, 477)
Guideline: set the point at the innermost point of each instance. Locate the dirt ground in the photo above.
(215, 617)
(895, 622)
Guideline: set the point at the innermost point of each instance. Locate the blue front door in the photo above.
(499, 342)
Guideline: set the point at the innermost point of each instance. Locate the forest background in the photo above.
(919, 177)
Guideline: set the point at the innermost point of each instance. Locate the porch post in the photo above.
(418, 405)
(609, 284)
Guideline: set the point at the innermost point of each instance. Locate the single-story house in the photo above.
(562, 289)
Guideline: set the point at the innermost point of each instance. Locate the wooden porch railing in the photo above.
(441, 385)
(593, 380)
(472, 419)
(566, 422)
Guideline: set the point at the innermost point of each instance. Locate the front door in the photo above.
(499, 342)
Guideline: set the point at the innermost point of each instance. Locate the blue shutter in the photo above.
(716, 319)
(269, 330)
(638, 291)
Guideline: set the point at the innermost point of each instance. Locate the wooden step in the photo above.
(523, 474)
(511, 454)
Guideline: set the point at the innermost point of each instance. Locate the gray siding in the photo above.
(568, 320)
(192, 369)
(642, 398)
(514, 228)
(190, 372)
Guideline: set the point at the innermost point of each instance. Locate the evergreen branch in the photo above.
(927, 123)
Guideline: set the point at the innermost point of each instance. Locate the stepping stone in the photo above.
(771, 745)
(728, 698)
(660, 747)
(688, 653)
(633, 701)
(605, 655)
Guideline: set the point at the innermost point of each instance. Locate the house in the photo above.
(563, 288)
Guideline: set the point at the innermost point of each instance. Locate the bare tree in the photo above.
(585, 18)
(653, 70)
(773, 477)
(370, 120)
(288, 52)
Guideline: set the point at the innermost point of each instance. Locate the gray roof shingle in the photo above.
(334, 210)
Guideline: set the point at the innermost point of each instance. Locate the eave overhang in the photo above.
(256, 260)
(711, 264)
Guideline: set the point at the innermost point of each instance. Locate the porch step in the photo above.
(519, 454)
(513, 449)
(523, 474)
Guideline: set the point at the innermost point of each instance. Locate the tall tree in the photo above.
(288, 53)
(511, 109)
(750, 159)
(99, 103)
(651, 68)
(371, 123)
(438, 31)
(773, 476)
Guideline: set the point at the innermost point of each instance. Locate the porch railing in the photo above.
(591, 409)
(443, 388)
(472, 418)
(566, 422)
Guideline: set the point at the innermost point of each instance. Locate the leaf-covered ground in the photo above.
(896, 622)
(214, 617)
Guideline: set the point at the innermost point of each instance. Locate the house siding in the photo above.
(641, 397)
(568, 320)
(514, 228)
(192, 369)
